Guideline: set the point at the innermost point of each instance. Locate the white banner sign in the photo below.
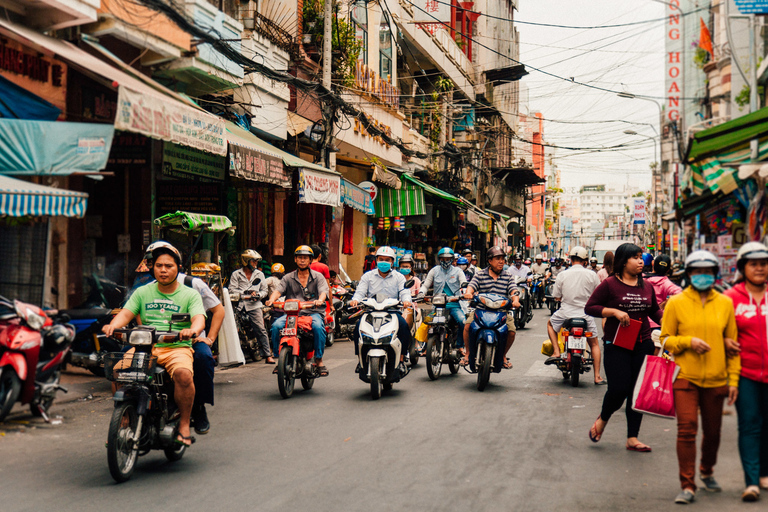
(167, 119)
(319, 188)
(431, 11)
(639, 217)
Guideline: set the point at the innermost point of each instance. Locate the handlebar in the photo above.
(302, 305)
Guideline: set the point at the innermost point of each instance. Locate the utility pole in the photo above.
(327, 58)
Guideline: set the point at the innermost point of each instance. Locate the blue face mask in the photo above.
(383, 266)
(405, 271)
(702, 282)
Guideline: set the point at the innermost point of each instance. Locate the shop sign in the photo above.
(639, 215)
(369, 187)
(319, 188)
(37, 73)
(673, 64)
(129, 149)
(183, 162)
(254, 165)
(173, 196)
(369, 81)
(483, 225)
(357, 198)
(167, 119)
(431, 11)
(752, 6)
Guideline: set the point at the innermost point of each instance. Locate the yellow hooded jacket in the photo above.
(685, 318)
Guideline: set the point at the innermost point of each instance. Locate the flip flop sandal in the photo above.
(639, 448)
(269, 362)
(274, 372)
(322, 371)
(507, 364)
(595, 438)
(181, 442)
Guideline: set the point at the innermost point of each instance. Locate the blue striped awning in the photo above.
(22, 199)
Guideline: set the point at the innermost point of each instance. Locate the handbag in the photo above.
(653, 392)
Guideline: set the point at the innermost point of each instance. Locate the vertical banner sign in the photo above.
(673, 65)
(639, 216)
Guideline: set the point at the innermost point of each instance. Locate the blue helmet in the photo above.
(445, 251)
(462, 261)
(647, 259)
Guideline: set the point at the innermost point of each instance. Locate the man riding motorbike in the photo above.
(246, 278)
(522, 272)
(303, 284)
(278, 271)
(463, 264)
(384, 281)
(573, 288)
(155, 303)
(556, 268)
(593, 265)
(447, 279)
(540, 267)
(405, 267)
(493, 279)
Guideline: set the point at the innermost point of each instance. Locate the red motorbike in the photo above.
(297, 348)
(32, 350)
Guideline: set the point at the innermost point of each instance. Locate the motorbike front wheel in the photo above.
(286, 372)
(330, 338)
(307, 382)
(575, 369)
(122, 451)
(484, 367)
(10, 387)
(375, 364)
(434, 356)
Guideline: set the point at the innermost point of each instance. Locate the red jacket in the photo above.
(752, 321)
(663, 288)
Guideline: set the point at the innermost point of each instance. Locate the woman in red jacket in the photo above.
(750, 299)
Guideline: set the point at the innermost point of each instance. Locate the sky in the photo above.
(628, 59)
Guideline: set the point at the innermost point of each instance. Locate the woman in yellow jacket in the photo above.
(695, 326)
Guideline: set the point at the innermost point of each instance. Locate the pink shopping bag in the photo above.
(653, 389)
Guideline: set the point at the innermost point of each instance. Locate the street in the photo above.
(520, 445)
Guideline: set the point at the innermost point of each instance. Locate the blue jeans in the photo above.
(403, 334)
(752, 407)
(318, 331)
(459, 317)
(203, 365)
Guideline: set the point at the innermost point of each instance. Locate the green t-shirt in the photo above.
(155, 308)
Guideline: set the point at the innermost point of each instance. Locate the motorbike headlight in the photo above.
(385, 339)
(366, 338)
(234, 297)
(438, 300)
(140, 337)
(291, 306)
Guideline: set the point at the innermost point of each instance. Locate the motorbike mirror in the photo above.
(464, 285)
(180, 317)
(409, 283)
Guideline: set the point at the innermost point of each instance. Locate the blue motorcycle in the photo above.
(537, 291)
(488, 336)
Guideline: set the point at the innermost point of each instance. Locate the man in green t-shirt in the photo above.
(154, 303)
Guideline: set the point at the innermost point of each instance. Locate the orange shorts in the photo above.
(173, 359)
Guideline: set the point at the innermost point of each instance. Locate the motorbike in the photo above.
(537, 291)
(524, 313)
(379, 346)
(341, 296)
(330, 322)
(245, 330)
(576, 358)
(145, 416)
(297, 348)
(441, 339)
(549, 297)
(488, 336)
(33, 348)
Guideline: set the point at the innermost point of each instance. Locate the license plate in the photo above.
(288, 332)
(577, 343)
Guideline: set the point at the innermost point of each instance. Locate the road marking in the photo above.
(539, 369)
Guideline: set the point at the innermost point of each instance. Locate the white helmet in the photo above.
(578, 252)
(752, 251)
(701, 259)
(386, 251)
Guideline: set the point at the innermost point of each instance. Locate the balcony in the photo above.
(46, 15)
(277, 35)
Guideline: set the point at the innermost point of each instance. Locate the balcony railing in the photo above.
(253, 20)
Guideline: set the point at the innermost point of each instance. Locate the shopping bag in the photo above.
(653, 390)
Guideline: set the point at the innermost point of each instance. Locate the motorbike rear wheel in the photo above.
(330, 338)
(374, 363)
(122, 452)
(484, 369)
(10, 387)
(435, 356)
(575, 369)
(286, 372)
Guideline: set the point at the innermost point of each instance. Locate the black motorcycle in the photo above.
(524, 313)
(145, 416)
(245, 330)
(549, 297)
(441, 339)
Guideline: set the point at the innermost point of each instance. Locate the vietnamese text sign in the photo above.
(357, 198)
(752, 6)
(185, 162)
(319, 188)
(431, 11)
(673, 65)
(167, 119)
(252, 164)
(639, 216)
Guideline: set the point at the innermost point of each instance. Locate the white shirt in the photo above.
(574, 287)
(521, 272)
(392, 286)
(539, 268)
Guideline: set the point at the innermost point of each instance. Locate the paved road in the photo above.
(428, 446)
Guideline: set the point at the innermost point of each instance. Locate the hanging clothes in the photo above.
(347, 246)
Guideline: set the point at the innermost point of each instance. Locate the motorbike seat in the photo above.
(85, 314)
(575, 322)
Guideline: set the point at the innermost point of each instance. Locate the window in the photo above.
(359, 18)
(385, 49)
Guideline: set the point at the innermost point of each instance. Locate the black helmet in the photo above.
(494, 251)
(662, 265)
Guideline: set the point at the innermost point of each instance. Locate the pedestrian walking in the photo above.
(750, 300)
(694, 329)
(623, 297)
(607, 270)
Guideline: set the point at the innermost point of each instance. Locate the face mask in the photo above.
(405, 271)
(702, 282)
(383, 266)
(446, 264)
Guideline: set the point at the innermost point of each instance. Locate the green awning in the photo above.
(408, 200)
(432, 190)
(497, 216)
(195, 221)
(730, 136)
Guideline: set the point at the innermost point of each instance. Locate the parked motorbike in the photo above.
(537, 291)
(297, 348)
(379, 346)
(488, 336)
(441, 340)
(145, 416)
(33, 348)
(576, 358)
(549, 297)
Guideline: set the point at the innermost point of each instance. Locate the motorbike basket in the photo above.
(136, 367)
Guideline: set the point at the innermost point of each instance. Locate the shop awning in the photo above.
(357, 198)
(144, 106)
(189, 221)
(50, 147)
(297, 124)
(432, 190)
(18, 103)
(24, 199)
(408, 200)
(734, 134)
(250, 160)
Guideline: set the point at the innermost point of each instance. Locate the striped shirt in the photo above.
(484, 283)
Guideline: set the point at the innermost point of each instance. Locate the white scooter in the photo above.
(379, 346)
